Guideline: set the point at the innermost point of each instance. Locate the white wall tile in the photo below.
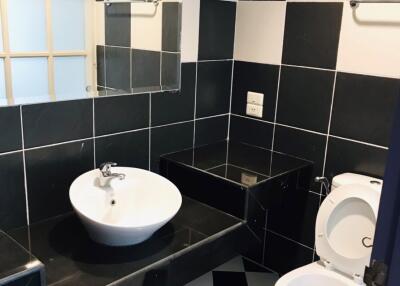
(190, 30)
(259, 31)
(146, 26)
(370, 40)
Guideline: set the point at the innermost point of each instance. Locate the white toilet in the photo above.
(344, 229)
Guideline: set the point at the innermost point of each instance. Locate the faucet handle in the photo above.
(105, 168)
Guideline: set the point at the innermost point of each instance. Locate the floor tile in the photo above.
(205, 280)
(238, 271)
(250, 266)
(222, 278)
(235, 265)
(261, 279)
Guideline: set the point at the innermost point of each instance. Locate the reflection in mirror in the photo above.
(70, 49)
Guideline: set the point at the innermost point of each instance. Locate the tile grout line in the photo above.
(132, 48)
(195, 107)
(265, 237)
(150, 132)
(276, 108)
(107, 135)
(252, 118)
(94, 137)
(230, 102)
(360, 142)
(171, 124)
(309, 67)
(217, 60)
(24, 166)
(212, 116)
(313, 132)
(288, 238)
(232, 76)
(329, 127)
(324, 69)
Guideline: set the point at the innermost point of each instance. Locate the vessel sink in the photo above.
(125, 211)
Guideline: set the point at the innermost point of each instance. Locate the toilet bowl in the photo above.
(344, 233)
(315, 274)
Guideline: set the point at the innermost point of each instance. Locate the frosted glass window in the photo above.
(68, 24)
(29, 80)
(27, 25)
(3, 96)
(70, 77)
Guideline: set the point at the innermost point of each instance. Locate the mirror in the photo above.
(53, 50)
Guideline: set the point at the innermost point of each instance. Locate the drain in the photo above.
(113, 202)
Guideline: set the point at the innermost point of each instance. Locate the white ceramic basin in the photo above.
(125, 212)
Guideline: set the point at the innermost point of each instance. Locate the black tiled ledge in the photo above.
(16, 262)
(245, 181)
(241, 164)
(197, 239)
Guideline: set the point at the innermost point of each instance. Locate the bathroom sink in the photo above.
(127, 210)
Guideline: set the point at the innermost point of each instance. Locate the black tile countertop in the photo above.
(238, 163)
(15, 261)
(71, 258)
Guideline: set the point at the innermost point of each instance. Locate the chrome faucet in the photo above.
(107, 175)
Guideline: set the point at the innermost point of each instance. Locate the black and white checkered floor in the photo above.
(239, 272)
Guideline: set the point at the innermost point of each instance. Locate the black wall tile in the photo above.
(12, 192)
(283, 255)
(255, 77)
(56, 122)
(170, 139)
(121, 113)
(217, 29)
(50, 172)
(171, 107)
(302, 144)
(10, 126)
(101, 67)
(118, 24)
(251, 131)
(203, 188)
(312, 34)
(305, 98)
(118, 70)
(345, 156)
(146, 69)
(364, 107)
(128, 150)
(295, 217)
(171, 26)
(170, 71)
(213, 88)
(211, 130)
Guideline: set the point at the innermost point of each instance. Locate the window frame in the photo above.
(50, 54)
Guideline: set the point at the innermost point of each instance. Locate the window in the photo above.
(45, 50)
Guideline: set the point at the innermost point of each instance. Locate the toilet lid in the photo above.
(345, 224)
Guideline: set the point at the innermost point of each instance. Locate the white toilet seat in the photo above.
(315, 274)
(345, 218)
(347, 215)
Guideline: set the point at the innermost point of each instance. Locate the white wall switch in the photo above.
(255, 98)
(254, 110)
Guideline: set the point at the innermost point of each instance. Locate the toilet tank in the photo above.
(351, 178)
